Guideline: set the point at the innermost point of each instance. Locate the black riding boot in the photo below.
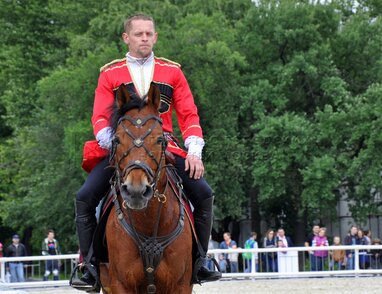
(85, 223)
(203, 225)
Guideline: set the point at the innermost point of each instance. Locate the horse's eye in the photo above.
(116, 141)
(162, 141)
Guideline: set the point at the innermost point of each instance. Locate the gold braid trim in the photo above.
(111, 63)
(168, 60)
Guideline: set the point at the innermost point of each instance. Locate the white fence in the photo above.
(295, 261)
(292, 262)
(37, 282)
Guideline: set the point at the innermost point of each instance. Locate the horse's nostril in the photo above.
(148, 192)
(124, 188)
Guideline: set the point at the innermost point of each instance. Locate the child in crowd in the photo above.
(338, 256)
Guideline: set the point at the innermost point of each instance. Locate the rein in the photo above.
(151, 248)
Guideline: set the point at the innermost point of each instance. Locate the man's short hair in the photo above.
(127, 24)
(50, 231)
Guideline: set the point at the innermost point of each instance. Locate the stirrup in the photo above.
(199, 263)
(95, 288)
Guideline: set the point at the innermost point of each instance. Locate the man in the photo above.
(308, 243)
(309, 239)
(286, 241)
(16, 268)
(137, 71)
(351, 239)
(50, 246)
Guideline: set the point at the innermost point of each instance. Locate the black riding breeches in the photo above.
(196, 190)
(96, 185)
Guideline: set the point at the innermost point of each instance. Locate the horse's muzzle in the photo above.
(136, 197)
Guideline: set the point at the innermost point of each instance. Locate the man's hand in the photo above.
(195, 165)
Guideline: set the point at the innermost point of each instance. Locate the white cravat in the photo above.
(141, 70)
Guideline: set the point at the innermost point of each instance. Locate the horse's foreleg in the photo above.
(105, 279)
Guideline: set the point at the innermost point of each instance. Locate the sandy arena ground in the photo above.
(367, 285)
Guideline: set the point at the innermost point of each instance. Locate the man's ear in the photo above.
(125, 38)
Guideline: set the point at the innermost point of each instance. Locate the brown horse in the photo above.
(148, 238)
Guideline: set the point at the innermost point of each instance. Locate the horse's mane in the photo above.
(117, 112)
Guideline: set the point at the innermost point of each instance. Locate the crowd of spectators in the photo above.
(315, 260)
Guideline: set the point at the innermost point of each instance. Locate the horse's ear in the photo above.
(122, 96)
(154, 95)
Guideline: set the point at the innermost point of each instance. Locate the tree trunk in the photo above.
(255, 212)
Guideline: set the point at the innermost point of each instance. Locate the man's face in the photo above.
(316, 229)
(226, 237)
(281, 233)
(354, 231)
(15, 240)
(50, 236)
(141, 38)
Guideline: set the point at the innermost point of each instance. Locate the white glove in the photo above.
(104, 137)
(195, 145)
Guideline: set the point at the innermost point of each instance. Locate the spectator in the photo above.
(364, 261)
(281, 244)
(351, 239)
(209, 262)
(308, 243)
(338, 256)
(270, 258)
(16, 268)
(50, 246)
(287, 242)
(367, 235)
(228, 262)
(250, 244)
(376, 255)
(309, 239)
(320, 255)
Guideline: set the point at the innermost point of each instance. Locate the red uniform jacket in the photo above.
(175, 93)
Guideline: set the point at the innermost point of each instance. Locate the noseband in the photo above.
(138, 142)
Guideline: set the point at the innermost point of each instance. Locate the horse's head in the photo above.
(138, 146)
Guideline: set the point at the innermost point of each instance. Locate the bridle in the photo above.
(138, 142)
(151, 248)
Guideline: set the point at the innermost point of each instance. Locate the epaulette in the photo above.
(111, 63)
(168, 60)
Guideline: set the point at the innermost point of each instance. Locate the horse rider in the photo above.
(137, 71)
